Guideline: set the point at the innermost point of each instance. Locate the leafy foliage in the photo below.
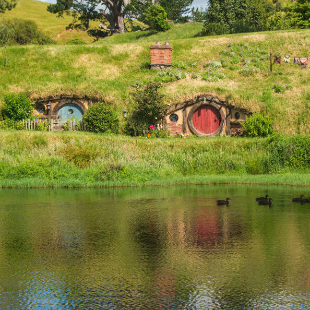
(234, 16)
(17, 107)
(300, 12)
(149, 108)
(25, 32)
(156, 17)
(170, 75)
(101, 118)
(198, 15)
(7, 5)
(75, 42)
(257, 125)
(177, 9)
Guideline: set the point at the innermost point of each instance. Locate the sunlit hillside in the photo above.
(114, 67)
(50, 24)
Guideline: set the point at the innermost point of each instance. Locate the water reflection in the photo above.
(162, 248)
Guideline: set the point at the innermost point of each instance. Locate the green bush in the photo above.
(248, 70)
(213, 76)
(149, 109)
(170, 75)
(101, 118)
(80, 155)
(75, 42)
(43, 126)
(26, 32)
(257, 125)
(156, 17)
(17, 107)
(211, 29)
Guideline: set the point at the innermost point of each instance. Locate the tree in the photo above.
(149, 108)
(113, 11)
(176, 9)
(300, 12)
(7, 5)
(198, 14)
(5, 35)
(234, 16)
(156, 17)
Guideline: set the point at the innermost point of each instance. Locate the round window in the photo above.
(173, 118)
(237, 115)
(40, 109)
(70, 111)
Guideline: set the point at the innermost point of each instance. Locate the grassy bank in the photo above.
(32, 159)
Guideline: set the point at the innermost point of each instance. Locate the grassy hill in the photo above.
(111, 67)
(50, 24)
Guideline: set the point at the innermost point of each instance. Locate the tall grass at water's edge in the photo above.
(31, 159)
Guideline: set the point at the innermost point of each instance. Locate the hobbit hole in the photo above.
(205, 116)
(62, 108)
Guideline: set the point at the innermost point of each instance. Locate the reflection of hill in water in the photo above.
(156, 248)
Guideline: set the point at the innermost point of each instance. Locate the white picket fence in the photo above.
(70, 125)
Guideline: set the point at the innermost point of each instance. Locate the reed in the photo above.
(76, 159)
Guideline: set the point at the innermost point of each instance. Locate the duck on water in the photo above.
(223, 202)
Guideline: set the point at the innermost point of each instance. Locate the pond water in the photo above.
(154, 248)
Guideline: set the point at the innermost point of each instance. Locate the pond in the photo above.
(154, 248)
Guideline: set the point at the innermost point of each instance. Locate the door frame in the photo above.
(62, 103)
(191, 124)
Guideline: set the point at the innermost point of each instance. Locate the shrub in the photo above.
(75, 42)
(211, 29)
(214, 64)
(170, 75)
(156, 17)
(149, 108)
(257, 126)
(17, 107)
(80, 155)
(248, 70)
(280, 89)
(43, 126)
(26, 32)
(101, 118)
(213, 76)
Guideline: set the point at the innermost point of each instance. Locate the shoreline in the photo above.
(289, 180)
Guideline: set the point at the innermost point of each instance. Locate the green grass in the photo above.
(35, 159)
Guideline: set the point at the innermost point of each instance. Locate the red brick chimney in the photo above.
(161, 55)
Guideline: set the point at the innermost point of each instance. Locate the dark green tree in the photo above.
(7, 5)
(198, 15)
(233, 16)
(112, 12)
(299, 11)
(156, 17)
(177, 10)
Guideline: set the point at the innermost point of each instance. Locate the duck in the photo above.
(223, 202)
(298, 199)
(262, 198)
(265, 202)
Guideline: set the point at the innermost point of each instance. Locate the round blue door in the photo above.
(69, 111)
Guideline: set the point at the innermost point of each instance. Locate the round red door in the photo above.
(206, 119)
